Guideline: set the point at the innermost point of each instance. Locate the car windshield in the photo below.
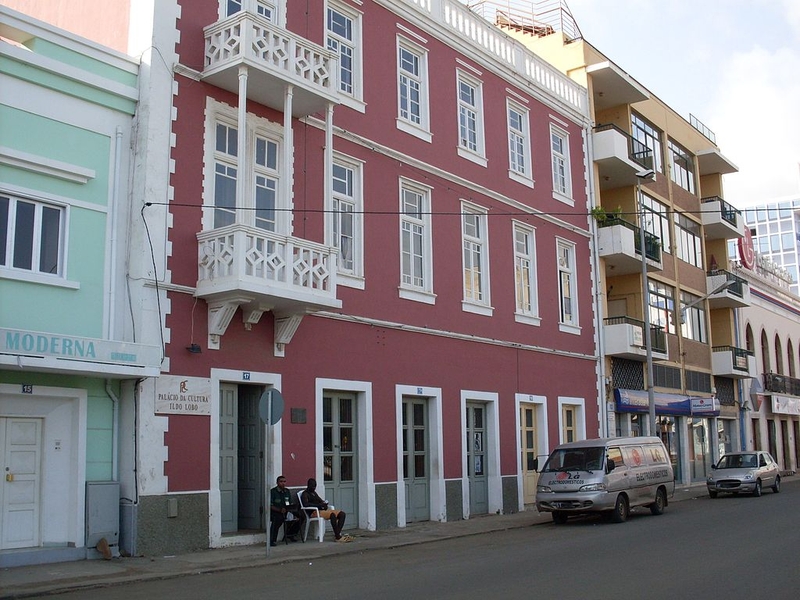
(738, 461)
(576, 459)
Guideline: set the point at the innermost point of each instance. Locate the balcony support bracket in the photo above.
(285, 328)
(219, 317)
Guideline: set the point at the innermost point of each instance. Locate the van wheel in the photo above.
(559, 518)
(757, 489)
(657, 507)
(620, 514)
(777, 487)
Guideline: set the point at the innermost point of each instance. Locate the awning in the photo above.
(637, 401)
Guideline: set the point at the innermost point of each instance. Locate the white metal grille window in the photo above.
(225, 175)
(693, 325)
(475, 256)
(559, 150)
(525, 271)
(661, 300)
(346, 207)
(656, 220)
(689, 244)
(682, 162)
(415, 240)
(568, 308)
(412, 89)
(518, 142)
(470, 115)
(342, 39)
(31, 236)
(650, 137)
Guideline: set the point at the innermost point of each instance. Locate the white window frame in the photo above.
(579, 406)
(567, 267)
(473, 108)
(353, 98)
(268, 9)
(217, 112)
(519, 144)
(560, 164)
(422, 292)
(354, 276)
(421, 129)
(34, 274)
(525, 258)
(472, 241)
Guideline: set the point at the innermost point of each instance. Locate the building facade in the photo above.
(68, 353)
(655, 170)
(775, 229)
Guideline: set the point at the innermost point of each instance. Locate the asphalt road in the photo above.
(731, 547)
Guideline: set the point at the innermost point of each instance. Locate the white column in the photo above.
(241, 144)
(288, 164)
(328, 170)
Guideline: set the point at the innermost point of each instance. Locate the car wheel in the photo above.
(757, 489)
(712, 494)
(559, 518)
(657, 507)
(777, 487)
(620, 514)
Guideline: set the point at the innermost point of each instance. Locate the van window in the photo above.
(615, 455)
(656, 454)
(575, 459)
(634, 455)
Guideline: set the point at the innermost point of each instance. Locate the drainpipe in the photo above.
(739, 385)
(112, 238)
(114, 432)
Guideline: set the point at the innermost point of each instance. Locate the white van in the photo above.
(608, 475)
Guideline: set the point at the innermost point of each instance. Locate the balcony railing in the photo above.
(658, 337)
(256, 265)
(652, 243)
(736, 285)
(727, 212)
(781, 384)
(740, 357)
(637, 151)
(275, 56)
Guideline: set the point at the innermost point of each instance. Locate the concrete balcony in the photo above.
(727, 290)
(736, 363)
(619, 246)
(618, 157)
(274, 58)
(623, 337)
(720, 220)
(259, 271)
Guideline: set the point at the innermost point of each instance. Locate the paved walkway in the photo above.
(22, 582)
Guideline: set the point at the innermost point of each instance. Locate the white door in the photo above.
(20, 457)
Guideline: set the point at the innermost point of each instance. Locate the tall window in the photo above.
(412, 87)
(470, 115)
(525, 271)
(476, 267)
(682, 166)
(650, 137)
(519, 142)
(656, 220)
(688, 241)
(343, 39)
(661, 300)
(559, 150)
(260, 176)
(567, 292)
(415, 239)
(693, 326)
(31, 236)
(346, 214)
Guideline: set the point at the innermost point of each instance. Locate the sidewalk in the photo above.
(22, 582)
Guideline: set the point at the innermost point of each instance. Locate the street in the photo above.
(730, 547)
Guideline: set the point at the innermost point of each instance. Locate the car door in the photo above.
(770, 470)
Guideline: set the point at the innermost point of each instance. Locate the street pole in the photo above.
(648, 344)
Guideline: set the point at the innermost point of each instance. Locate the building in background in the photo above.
(653, 169)
(68, 350)
(775, 228)
(379, 209)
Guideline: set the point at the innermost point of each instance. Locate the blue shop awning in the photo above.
(636, 401)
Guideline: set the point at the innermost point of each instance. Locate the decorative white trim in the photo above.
(45, 166)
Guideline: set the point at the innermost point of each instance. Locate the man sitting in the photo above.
(282, 510)
(311, 499)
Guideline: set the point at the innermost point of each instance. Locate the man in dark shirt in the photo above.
(280, 506)
(311, 499)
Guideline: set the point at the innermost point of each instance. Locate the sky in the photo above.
(733, 64)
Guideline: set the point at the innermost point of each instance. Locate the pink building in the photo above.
(393, 230)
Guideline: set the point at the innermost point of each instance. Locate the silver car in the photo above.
(747, 472)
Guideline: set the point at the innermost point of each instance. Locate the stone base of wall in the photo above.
(171, 524)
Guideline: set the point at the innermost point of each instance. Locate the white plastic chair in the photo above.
(312, 514)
